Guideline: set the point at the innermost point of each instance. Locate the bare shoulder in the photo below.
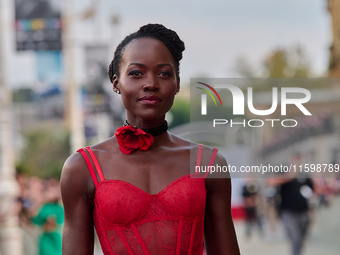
(208, 152)
(75, 177)
(180, 141)
(74, 166)
(219, 176)
(109, 145)
(193, 147)
(220, 159)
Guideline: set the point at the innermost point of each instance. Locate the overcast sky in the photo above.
(215, 32)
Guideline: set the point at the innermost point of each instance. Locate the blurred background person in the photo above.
(251, 200)
(50, 218)
(295, 192)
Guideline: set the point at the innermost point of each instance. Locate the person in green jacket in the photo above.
(51, 218)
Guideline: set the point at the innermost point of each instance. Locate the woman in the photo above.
(135, 187)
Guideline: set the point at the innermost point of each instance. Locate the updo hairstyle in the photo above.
(154, 31)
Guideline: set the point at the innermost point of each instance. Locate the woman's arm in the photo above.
(78, 231)
(219, 233)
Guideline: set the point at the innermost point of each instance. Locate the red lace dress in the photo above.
(130, 221)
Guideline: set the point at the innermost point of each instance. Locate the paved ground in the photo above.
(324, 236)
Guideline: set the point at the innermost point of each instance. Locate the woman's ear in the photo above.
(115, 84)
(178, 87)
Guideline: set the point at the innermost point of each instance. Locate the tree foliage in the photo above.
(180, 111)
(23, 95)
(44, 153)
(290, 62)
(279, 63)
(287, 63)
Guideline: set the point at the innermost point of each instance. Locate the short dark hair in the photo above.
(154, 31)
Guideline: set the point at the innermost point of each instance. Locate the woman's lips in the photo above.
(150, 99)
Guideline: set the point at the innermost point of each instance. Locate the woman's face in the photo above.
(147, 80)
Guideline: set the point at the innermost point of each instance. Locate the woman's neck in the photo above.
(155, 131)
(145, 124)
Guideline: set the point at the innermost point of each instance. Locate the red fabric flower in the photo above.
(130, 138)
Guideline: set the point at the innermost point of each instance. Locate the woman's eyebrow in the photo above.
(140, 64)
(164, 65)
(137, 64)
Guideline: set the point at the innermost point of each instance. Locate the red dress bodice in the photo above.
(130, 221)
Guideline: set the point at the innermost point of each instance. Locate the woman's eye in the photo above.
(135, 73)
(165, 74)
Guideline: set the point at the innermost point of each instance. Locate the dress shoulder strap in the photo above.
(199, 154)
(199, 158)
(90, 159)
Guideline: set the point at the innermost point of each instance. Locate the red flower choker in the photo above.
(131, 138)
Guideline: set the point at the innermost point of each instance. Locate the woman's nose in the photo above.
(151, 84)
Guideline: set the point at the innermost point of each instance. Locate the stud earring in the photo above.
(117, 91)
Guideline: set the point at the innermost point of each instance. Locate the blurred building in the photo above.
(334, 60)
(316, 137)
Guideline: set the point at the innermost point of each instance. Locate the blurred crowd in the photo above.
(291, 203)
(263, 200)
(41, 215)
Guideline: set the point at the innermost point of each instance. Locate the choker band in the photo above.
(152, 131)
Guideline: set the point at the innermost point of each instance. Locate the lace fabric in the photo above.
(130, 221)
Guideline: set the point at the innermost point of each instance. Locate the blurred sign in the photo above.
(96, 62)
(96, 99)
(51, 103)
(49, 66)
(38, 24)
